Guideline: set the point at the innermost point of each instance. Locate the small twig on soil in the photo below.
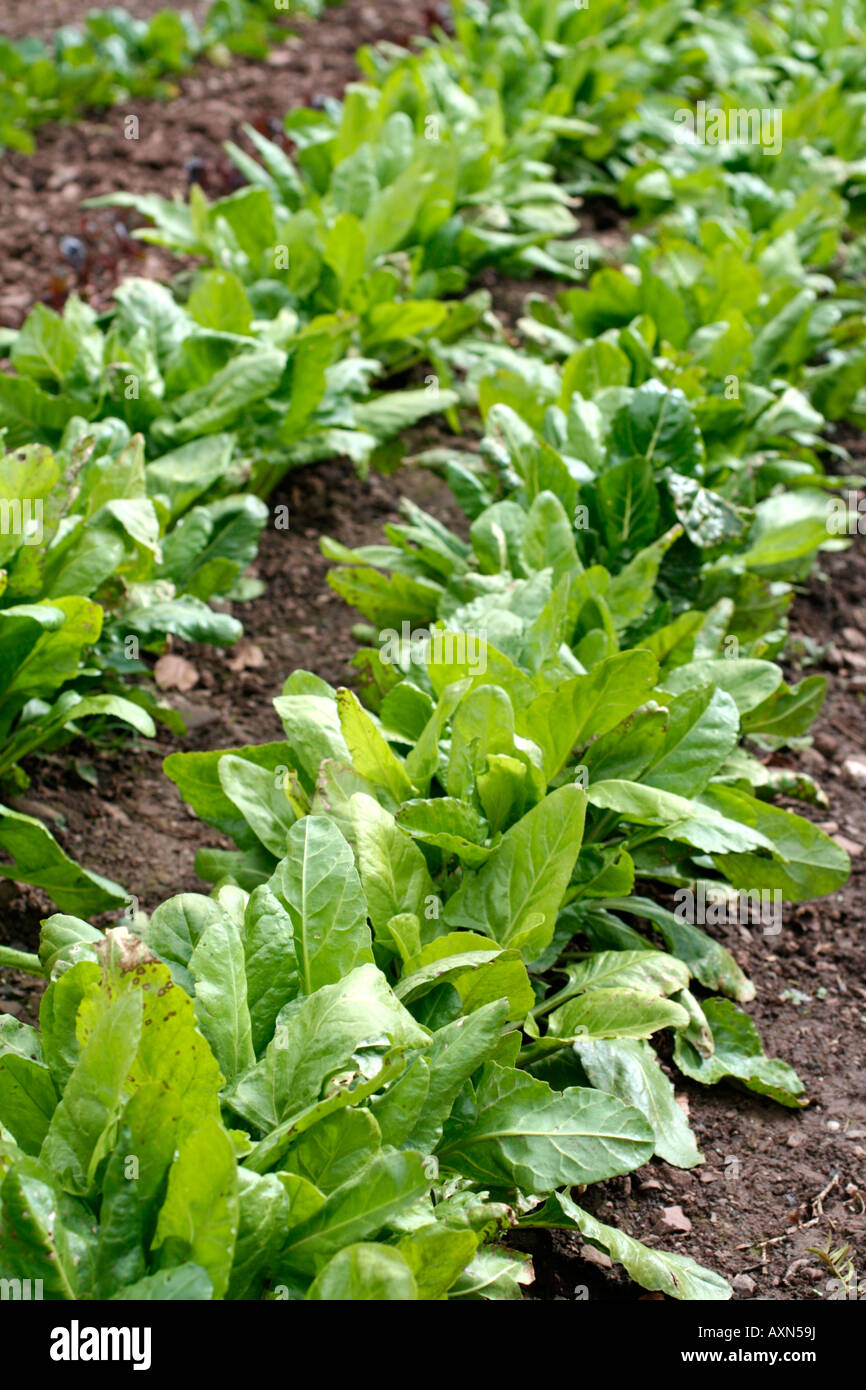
(771, 1240)
(816, 1204)
(818, 1201)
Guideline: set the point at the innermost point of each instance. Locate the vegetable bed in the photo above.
(448, 1023)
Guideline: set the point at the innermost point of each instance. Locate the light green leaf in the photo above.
(319, 886)
(516, 895)
(525, 1135)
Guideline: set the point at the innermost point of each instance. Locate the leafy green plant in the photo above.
(260, 369)
(724, 312)
(89, 581)
(469, 829)
(664, 546)
(236, 399)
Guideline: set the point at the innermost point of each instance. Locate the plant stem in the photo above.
(535, 1051)
(20, 960)
(548, 1005)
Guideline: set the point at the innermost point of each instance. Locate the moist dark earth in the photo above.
(777, 1184)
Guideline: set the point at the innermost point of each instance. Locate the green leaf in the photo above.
(786, 529)
(658, 425)
(183, 475)
(55, 656)
(261, 799)
(478, 974)
(59, 1006)
(437, 1256)
(790, 711)
(806, 863)
(627, 750)
(738, 1055)
(27, 1094)
(150, 1132)
(390, 413)
(387, 1185)
(548, 539)
(678, 1276)
(312, 725)
(455, 1052)
(692, 822)
(615, 1012)
(653, 971)
(706, 958)
(208, 548)
(197, 778)
(525, 1135)
(496, 1275)
(397, 1109)
(263, 1211)
(386, 600)
(175, 929)
(516, 895)
(370, 754)
(44, 1234)
(451, 825)
(45, 348)
(198, 1221)
(482, 726)
(365, 1273)
(702, 730)
(244, 380)
(218, 300)
(270, 962)
(318, 885)
(629, 504)
(748, 681)
(589, 705)
(94, 1096)
(393, 870)
(27, 411)
(185, 1283)
(217, 966)
(318, 1041)
(332, 1151)
(628, 1068)
(631, 590)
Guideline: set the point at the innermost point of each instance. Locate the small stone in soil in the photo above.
(676, 1220)
(854, 772)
